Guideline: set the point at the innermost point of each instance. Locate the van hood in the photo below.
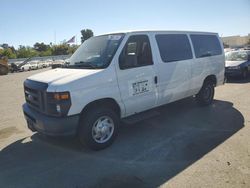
(233, 63)
(62, 75)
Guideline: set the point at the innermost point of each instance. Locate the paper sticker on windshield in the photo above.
(114, 37)
(139, 87)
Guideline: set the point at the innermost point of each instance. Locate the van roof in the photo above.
(161, 31)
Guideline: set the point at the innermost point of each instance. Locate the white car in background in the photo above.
(49, 62)
(39, 64)
(26, 67)
(44, 64)
(33, 65)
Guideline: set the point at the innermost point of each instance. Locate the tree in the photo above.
(48, 52)
(61, 49)
(72, 49)
(40, 47)
(43, 49)
(86, 33)
(13, 49)
(7, 52)
(24, 52)
(5, 46)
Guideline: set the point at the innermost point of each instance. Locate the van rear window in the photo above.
(206, 45)
(174, 47)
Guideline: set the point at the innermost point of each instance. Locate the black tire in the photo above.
(206, 94)
(88, 123)
(244, 74)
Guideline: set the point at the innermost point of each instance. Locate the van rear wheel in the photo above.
(98, 128)
(206, 94)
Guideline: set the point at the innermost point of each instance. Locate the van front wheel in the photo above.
(206, 94)
(98, 128)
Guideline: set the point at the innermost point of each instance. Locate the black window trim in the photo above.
(126, 45)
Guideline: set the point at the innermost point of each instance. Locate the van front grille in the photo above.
(34, 94)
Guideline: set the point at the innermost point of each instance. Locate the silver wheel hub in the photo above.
(103, 129)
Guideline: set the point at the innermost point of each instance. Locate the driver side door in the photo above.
(136, 75)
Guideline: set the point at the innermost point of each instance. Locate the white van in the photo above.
(114, 76)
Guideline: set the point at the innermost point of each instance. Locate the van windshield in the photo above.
(96, 52)
(236, 56)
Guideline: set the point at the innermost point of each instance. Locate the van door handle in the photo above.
(156, 80)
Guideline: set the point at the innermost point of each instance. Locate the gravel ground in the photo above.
(183, 146)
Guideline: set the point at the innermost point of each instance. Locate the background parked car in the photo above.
(57, 64)
(26, 67)
(39, 65)
(34, 65)
(44, 64)
(15, 67)
(237, 63)
(49, 62)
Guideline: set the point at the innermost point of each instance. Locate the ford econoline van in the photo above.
(115, 76)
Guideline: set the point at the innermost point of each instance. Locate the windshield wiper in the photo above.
(81, 64)
(85, 64)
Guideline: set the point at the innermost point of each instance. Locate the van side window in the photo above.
(136, 52)
(174, 47)
(206, 45)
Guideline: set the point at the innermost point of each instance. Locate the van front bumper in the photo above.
(48, 125)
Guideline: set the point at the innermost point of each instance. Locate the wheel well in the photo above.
(211, 78)
(107, 102)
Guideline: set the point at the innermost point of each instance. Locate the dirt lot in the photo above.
(184, 146)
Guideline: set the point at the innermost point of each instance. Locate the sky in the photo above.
(25, 22)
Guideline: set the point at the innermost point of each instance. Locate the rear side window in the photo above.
(206, 45)
(174, 47)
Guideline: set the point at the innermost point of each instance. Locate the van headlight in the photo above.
(58, 103)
